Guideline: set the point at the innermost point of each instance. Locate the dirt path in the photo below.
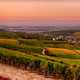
(18, 74)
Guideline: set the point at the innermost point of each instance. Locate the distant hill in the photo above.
(26, 28)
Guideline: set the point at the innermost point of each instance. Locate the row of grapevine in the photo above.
(14, 57)
(39, 64)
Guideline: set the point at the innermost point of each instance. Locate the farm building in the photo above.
(44, 51)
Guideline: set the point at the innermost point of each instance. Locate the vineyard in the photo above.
(60, 61)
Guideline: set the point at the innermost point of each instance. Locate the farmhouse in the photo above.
(44, 51)
(59, 37)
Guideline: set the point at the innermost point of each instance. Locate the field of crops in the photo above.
(8, 41)
(62, 50)
(60, 60)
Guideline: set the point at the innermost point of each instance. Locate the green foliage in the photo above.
(77, 73)
(68, 74)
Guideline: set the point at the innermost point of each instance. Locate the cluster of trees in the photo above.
(24, 35)
(40, 36)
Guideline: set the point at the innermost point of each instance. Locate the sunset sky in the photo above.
(39, 11)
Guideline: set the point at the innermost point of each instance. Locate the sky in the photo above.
(40, 11)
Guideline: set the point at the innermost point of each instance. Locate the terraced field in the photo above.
(27, 55)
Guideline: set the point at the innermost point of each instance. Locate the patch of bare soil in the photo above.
(18, 74)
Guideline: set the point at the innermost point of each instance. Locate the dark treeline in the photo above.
(23, 35)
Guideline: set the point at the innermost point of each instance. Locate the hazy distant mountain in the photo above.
(38, 28)
(34, 26)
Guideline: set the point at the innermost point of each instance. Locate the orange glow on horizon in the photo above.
(42, 11)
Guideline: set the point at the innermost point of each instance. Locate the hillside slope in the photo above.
(18, 74)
